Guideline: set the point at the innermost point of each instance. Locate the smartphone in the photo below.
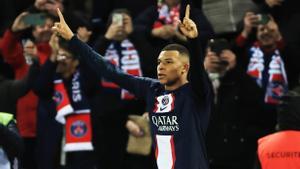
(218, 45)
(35, 19)
(263, 19)
(117, 19)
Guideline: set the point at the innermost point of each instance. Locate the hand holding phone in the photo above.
(117, 19)
(19, 24)
(263, 19)
(218, 45)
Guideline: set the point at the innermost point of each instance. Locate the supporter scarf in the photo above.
(277, 84)
(127, 59)
(74, 112)
(167, 16)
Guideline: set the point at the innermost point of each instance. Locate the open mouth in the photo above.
(160, 75)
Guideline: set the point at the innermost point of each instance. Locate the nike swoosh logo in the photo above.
(161, 109)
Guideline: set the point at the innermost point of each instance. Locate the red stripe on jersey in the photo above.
(173, 102)
(155, 105)
(156, 149)
(173, 150)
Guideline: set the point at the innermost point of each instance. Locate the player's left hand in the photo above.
(61, 27)
(188, 26)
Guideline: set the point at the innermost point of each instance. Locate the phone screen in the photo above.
(118, 19)
(35, 19)
(218, 45)
(263, 19)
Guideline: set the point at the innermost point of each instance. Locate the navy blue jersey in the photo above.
(178, 118)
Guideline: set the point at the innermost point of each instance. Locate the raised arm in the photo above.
(11, 46)
(197, 75)
(136, 85)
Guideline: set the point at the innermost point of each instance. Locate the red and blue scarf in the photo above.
(125, 57)
(167, 16)
(277, 84)
(74, 112)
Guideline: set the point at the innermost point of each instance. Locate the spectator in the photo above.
(79, 23)
(226, 15)
(11, 145)
(233, 128)
(287, 14)
(77, 87)
(82, 26)
(281, 149)
(122, 46)
(117, 34)
(101, 11)
(19, 57)
(264, 64)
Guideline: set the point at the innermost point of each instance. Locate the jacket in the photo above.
(280, 150)
(12, 52)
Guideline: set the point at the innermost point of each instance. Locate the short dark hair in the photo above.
(78, 19)
(177, 47)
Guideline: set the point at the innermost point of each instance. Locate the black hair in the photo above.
(78, 19)
(183, 51)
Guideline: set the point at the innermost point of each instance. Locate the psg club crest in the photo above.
(165, 100)
(58, 97)
(164, 103)
(78, 128)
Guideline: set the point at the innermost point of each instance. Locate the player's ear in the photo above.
(185, 68)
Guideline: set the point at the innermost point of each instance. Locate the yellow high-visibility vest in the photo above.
(5, 118)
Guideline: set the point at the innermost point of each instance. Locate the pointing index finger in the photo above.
(61, 17)
(187, 12)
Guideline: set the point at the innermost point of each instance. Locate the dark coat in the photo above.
(237, 121)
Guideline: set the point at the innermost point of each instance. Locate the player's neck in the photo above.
(176, 85)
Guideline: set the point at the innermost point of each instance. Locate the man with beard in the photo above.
(20, 57)
(264, 65)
